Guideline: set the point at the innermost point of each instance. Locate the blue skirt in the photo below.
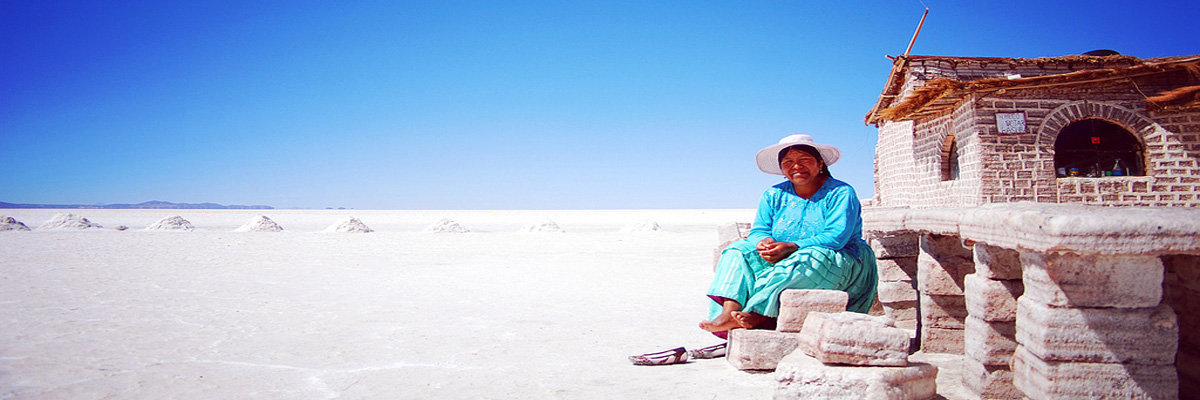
(744, 276)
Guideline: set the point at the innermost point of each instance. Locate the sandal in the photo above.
(677, 355)
(714, 351)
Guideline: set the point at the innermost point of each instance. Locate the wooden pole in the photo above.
(918, 32)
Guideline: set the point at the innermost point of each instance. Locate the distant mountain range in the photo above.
(148, 204)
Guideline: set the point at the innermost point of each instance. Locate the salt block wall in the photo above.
(894, 164)
(1175, 159)
(1000, 169)
(990, 338)
(942, 266)
(896, 259)
(1181, 291)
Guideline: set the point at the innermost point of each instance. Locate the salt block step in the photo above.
(989, 343)
(795, 304)
(1041, 379)
(895, 246)
(990, 299)
(1093, 280)
(989, 381)
(897, 269)
(896, 292)
(800, 376)
(759, 349)
(1141, 335)
(853, 338)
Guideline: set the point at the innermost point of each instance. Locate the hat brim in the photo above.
(768, 157)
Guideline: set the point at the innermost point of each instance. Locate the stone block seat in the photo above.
(832, 353)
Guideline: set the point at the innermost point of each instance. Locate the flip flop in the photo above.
(714, 351)
(677, 355)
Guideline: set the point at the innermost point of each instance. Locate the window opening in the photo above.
(1096, 148)
(950, 156)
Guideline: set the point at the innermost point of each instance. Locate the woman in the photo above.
(807, 234)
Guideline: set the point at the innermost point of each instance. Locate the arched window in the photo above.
(950, 157)
(1097, 148)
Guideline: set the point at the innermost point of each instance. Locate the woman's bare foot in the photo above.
(747, 320)
(721, 323)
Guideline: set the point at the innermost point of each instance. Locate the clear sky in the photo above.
(482, 105)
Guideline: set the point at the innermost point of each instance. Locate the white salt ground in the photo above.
(172, 223)
(395, 314)
(349, 225)
(260, 224)
(446, 225)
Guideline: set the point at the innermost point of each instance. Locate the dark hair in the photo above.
(811, 151)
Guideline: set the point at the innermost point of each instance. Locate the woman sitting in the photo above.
(807, 234)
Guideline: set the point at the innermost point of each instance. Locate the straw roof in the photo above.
(1184, 98)
(941, 95)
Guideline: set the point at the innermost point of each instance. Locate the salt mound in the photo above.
(350, 224)
(68, 222)
(544, 226)
(642, 226)
(11, 224)
(446, 225)
(172, 223)
(260, 224)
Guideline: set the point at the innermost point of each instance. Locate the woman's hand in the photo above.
(773, 251)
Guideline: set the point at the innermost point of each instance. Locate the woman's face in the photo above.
(801, 168)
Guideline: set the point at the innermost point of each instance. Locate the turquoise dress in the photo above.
(832, 255)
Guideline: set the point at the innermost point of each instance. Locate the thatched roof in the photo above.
(940, 95)
(1184, 98)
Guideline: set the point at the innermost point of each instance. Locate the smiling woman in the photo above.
(807, 234)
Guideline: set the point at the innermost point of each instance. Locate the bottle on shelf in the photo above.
(1118, 168)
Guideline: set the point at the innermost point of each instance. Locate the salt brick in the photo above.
(989, 343)
(795, 304)
(934, 278)
(989, 381)
(1040, 379)
(992, 300)
(896, 292)
(895, 246)
(943, 311)
(1142, 335)
(801, 376)
(942, 265)
(997, 262)
(1070, 279)
(941, 340)
(758, 349)
(853, 338)
(898, 269)
(903, 311)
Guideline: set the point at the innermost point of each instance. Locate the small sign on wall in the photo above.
(1011, 123)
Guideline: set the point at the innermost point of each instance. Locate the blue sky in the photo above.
(481, 105)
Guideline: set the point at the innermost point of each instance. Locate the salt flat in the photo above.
(397, 313)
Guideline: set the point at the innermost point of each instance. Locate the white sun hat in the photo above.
(768, 157)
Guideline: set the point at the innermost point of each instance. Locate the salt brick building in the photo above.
(965, 131)
(994, 224)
